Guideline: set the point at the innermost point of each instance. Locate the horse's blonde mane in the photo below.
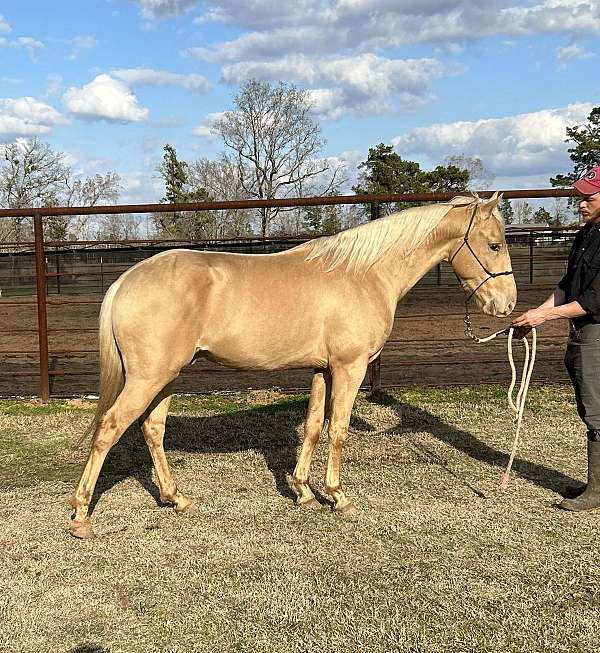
(361, 247)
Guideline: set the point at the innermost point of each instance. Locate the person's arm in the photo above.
(553, 308)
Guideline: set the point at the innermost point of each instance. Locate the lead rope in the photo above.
(518, 405)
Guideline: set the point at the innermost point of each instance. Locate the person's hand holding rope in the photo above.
(532, 318)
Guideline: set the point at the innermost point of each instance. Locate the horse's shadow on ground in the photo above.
(273, 432)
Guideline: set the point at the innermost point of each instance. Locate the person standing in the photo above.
(577, 298)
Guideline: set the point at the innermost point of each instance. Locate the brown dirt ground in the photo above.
(427, 347)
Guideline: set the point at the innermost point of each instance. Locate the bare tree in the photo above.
(33, 175)
(480, 177)
(275, 142)
(91, 191)
(118, 227)
(523, 212)
(221, 180)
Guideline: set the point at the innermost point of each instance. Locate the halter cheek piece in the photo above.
(491, 275)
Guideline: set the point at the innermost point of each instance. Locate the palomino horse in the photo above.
(327, 304)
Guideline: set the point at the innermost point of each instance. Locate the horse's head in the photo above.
(479, 255)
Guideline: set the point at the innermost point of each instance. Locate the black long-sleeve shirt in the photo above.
(581, 283)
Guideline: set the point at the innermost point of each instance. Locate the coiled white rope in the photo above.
(519, 404)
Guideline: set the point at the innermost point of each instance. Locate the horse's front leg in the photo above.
(346, 380)
(313, 426)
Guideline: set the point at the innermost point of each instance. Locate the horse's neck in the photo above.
(401, 275)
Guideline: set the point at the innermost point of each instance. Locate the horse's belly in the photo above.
(271, 358)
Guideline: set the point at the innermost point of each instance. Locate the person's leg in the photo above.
(583, 362)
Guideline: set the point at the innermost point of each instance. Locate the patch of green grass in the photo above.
(25, 460)
(288, 403)
(217, 403)
(38, 407)
(541, 396)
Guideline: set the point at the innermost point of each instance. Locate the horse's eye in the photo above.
(495, 247)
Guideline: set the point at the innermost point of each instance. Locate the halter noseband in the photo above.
(490, 275)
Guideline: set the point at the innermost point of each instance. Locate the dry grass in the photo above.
(426, 565)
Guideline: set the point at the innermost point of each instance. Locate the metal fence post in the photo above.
(375, 211)
(375, 374)
(40, 282)
(57, 254)
(530, 257)
(375, 366)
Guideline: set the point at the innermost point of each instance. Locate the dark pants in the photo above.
(582, 360)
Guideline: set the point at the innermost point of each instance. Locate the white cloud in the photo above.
(525, 144)
(569, 52)
(163, 8)
(207, 130)
(31, 45)
(313, 26)
(4, 26)
(342, 85)
(104, 98)
(553, 16)
(203, 131)
(54, 84)
(149, 77)
(81, 44)
(27, 117)
(139, 187)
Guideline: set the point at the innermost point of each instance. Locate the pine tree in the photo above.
(189, 224)
(174, 173)
(386, 172)
(506, 210)
(586, 152)
(542, 216)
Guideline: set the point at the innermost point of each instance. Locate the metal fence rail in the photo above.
(45, 270)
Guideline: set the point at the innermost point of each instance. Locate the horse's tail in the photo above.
(112, 373)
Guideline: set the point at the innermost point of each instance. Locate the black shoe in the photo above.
(574, 491)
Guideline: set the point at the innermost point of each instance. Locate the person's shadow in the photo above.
(411, 419)
(273, 431)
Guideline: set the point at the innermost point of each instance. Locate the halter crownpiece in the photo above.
(491, 275)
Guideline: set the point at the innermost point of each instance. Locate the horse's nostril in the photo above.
(510, 307)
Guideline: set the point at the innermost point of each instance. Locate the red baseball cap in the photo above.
(589, 184)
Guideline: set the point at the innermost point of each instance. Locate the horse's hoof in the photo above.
(81, 530)
(347, 509)
(187, 510)
(309, 504)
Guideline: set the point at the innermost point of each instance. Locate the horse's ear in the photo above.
(487, 208)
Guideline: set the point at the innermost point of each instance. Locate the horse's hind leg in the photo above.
(313, 426)
(152, 423)
(130, 404)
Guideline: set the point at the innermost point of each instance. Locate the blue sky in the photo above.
(109, 82)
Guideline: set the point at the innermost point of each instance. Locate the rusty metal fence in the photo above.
(61, 275)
